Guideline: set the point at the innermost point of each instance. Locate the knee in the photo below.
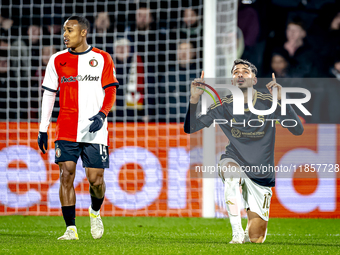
(231, 172)
(96, 180)
(66, 177)
(258, 236)
(257, 240)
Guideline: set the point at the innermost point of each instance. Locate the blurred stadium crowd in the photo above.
(157, 50)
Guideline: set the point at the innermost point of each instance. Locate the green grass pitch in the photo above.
(149, 235)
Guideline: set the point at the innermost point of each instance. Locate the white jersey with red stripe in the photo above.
(82, 79)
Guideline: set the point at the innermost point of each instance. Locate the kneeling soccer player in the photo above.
(85, 77)
(249, 146)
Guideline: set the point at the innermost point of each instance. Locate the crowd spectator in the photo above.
(280, 64)
(335, 67)
(37, 79)
(325, 92)
(102, 34)
(174, 89)
(148, 42)
(5, 22)
(325, 35)
(4, 89)
(25, 53)
(129, 72)
(334, 91)
(302, 57)
(3, 44)
(46, 53)
(11, 108)
(191, 24)
(34, 41)
(52, 32)
(248, 22)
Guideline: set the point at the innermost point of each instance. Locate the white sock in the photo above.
(95, 212)
(246, 234)
(265, 235)
(246, 230)
(231, 189)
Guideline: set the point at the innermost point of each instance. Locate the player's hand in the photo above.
(98, 121)
(43, 141)
(272, 85)
(195, 91)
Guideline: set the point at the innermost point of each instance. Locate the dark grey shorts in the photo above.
(92, 155)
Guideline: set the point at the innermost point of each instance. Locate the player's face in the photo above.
(73, 34)
(243, 77)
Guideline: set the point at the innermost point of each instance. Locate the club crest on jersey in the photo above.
(93, 62)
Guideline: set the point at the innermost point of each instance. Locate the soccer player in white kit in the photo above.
(85, 78)
(249, 147)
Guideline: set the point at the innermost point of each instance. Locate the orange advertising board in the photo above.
(149, 173)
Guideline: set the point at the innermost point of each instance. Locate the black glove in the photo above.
(98, 121)
(42, 141)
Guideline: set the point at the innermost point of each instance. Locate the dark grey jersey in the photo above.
(251, 136)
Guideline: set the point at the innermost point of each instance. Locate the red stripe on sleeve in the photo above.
(109, 99)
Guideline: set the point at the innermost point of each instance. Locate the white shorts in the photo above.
(256, 198)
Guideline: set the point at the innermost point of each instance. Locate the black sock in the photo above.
(69, 214)
(96, 203)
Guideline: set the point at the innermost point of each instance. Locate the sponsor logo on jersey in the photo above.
(93, 62)
(62, 64)
(236, 133)
(79, 78)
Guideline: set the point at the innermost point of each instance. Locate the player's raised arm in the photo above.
(274, 84)
(195, 90)
(290, 113)
(191, 123)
